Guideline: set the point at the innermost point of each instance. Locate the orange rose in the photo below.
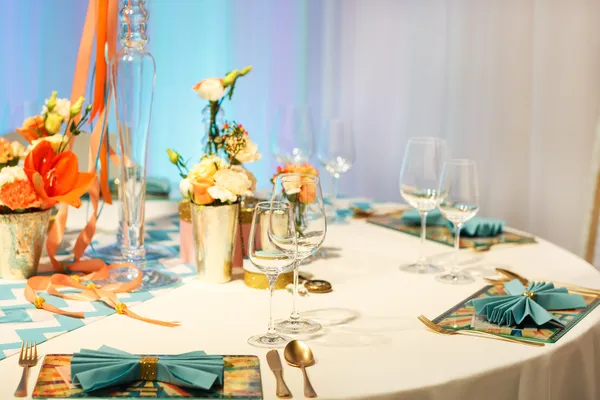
(200, 188)
(55, 177)
(308, 192)
(33, 128)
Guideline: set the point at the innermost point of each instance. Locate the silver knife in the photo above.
(275, 364)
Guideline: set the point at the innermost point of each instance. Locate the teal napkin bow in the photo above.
(475, 227)
(105, 367)
(522, 303)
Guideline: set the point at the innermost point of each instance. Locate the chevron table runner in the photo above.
(21, 321)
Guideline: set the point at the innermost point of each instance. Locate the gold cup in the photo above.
(215, 233)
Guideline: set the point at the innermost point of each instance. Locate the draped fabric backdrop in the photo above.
(512, 84)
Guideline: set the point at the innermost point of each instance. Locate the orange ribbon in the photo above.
(104, 19)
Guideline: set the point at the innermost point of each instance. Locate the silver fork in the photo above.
(27, 358)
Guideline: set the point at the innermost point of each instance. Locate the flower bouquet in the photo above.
(216, 185)
(48, 176)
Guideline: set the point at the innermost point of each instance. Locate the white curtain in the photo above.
(512, 84)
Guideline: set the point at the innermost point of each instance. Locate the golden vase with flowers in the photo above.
(217, 184)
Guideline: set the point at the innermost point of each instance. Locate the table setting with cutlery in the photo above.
(347, 266)
(225, 292)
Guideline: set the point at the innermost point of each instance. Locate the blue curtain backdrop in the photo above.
(190, 40)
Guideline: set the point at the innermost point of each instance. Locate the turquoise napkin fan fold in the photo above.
(475, 227)
(107, 366)
(523, 303)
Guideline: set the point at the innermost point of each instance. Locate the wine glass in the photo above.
(273, 250)
(303, 193)
(419, 182)
(292, 136)
(459, 203)
(336, 153)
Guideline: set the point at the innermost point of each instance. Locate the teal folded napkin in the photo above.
(413, 217)
(526, 304)
(475, 227)
(105, 367)
(479, 227)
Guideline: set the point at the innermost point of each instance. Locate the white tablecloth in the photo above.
(384, 352)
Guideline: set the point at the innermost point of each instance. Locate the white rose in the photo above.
(219, 193)
(63, 108)
(11, 174)
(292, 184)
(235, 181)
(55, 141)
(249, 174)
(249, 153)
(210, 89)
(185, 187)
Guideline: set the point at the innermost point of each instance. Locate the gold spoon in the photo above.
(298, 354)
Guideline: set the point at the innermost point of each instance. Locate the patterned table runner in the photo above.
(21, 321)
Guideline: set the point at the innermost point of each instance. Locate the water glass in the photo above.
(292, 135)
(303, 193)
(336, 152)
(419, 186)
(272, 248)
(459, 203)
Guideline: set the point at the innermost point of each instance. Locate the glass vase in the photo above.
(132, 75)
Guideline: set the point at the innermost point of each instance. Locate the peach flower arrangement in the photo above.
(49, 174)
(219, 178)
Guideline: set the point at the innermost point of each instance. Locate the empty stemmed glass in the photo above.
(336, 153)
(272, 249)
(303, 193)
(419, 185)
(459, 203)
(292, 135)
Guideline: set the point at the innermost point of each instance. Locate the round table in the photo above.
(373, 346)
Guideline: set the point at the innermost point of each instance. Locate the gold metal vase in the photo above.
(22, 238)
(215, 233)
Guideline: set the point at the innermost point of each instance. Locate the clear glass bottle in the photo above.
(132, 78)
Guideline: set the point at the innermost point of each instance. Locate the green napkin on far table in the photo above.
(475, 227)
(105, 367)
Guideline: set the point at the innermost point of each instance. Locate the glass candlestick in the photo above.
(132, 76)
